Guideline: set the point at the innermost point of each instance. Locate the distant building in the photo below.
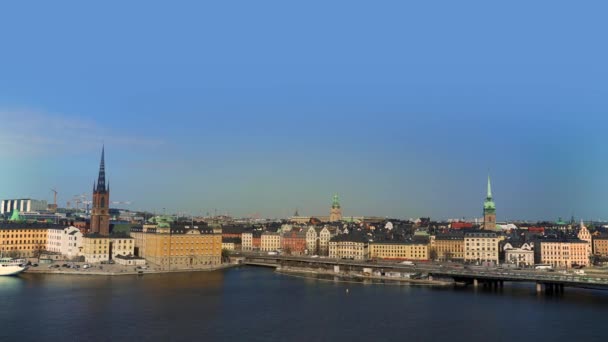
(24, 239)
(324, 236)
(183, 246)
(489, 210)
(100, 213)
(270, 241)
(96, 248)
(400, 250)
(67, 241)
(561, 252)
(448, 246)
(481, 246)
(585, 235)
(293, 242)
(22, 205)
(600, 245)
(349, 246)
(335, 213)
(519, 253)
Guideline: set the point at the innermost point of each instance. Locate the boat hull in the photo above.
(11, 270)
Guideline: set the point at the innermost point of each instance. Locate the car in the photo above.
(34, 265)
(111, 262)
(85, 266)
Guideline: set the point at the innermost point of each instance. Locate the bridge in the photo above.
(476, 276)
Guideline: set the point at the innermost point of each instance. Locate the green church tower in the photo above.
(489, 210)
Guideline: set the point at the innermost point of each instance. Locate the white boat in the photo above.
(10, 266)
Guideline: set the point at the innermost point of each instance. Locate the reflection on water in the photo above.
(8, 284)
(258, 304)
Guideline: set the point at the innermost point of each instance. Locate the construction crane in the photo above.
(54, 198)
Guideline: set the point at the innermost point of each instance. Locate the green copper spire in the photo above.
(336, 202)
(489, 205)
(489, 188)
(15, 217)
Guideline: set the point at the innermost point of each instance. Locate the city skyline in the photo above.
(401, 116)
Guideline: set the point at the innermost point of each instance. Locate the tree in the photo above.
(38, 250)
(449, 256)
(287, 250)
(225, 255)
(433, 255)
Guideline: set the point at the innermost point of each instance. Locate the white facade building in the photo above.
(22, 205)
(67, 241)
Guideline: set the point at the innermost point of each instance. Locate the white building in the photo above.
(67, 241)
(247, 241)
(519, 254)
(22, 205)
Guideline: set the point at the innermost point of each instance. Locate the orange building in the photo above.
(294, 242)
(178, 247)
(562, 252)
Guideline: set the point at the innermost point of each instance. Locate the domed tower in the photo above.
(489, 210)
(335, 213)
(100, 213)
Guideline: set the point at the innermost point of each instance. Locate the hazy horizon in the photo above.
(282, 105)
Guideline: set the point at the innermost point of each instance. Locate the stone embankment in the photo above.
(117, 270)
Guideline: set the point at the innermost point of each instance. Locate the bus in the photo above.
(543, 267)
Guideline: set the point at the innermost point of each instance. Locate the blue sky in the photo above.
(401, 107)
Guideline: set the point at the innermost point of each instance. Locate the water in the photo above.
(256, 304)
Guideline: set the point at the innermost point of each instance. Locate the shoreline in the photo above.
(81, 272)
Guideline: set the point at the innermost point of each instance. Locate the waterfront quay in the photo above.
(460, 274)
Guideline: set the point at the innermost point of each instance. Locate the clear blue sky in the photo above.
(401, 107)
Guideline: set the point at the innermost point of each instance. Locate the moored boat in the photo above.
(10, 266)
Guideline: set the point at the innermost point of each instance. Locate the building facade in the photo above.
(324, 235)
(270, 241)
(481, 246)
(399, 250)
(600, 245)
(489, 210)
(585, 235)
(24, 240)
(520, 254)
(294, 243)
(22, 205)
(562, 252)
(352, 247)
(179, 246)
(96, 248)
(448, 246)
(66, 241)
(312, 240)
(100, 213)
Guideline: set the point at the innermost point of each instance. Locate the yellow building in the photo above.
(270, 241)
(345, 246)
(96, 248)
(481, 246)
(564, 253)
(178, 247)
(24, 240)
(448, 246)
(600, 246)
(399, 250)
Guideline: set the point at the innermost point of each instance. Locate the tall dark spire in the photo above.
(101, 180)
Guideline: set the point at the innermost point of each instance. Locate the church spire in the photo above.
(101, 180)
(489, 188)
(335, 202)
